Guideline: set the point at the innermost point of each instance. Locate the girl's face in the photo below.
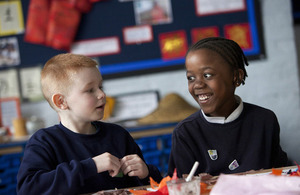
(86, 99)
(211, 82)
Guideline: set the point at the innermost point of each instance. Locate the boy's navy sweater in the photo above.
(59, 161)
(252, 140)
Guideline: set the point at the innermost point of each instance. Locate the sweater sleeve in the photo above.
(278, 156)
(39, 174)
(154, 173)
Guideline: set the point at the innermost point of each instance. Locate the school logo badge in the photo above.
(213, 154)
(233, 165)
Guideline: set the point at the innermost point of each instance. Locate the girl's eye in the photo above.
(190, 78)
(207, 75)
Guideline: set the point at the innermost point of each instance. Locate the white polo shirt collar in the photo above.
(234, 115)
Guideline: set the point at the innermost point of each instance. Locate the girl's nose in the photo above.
(199, 83)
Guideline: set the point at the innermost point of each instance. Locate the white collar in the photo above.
(234, 115)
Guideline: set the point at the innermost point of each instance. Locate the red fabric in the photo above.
(83, 6)
(94, 1)
(55, 22)
(62, 25)
(37, 19)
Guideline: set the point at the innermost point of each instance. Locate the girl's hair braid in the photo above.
(229, 50)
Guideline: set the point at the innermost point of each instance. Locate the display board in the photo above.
(296, 11)
(133, 37)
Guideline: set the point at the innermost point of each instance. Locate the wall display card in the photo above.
(30, 83)
(134, 105)
(240, 33)
(11, 18)
(138, 34)
(9, 52)
(9, 86)
(207, 7)
(173, 44)
(201, 33)
(9, 110)
(153, 11)
(97, 47)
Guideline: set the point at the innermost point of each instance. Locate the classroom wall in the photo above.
(273, 82)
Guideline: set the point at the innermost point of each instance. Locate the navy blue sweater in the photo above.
(251, 141)
(59, 161)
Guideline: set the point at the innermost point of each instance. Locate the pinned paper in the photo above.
(173, 44)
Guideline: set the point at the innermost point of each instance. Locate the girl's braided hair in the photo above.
(227, 49)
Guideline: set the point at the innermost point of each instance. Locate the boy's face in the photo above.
(86, 99)
(211, 82)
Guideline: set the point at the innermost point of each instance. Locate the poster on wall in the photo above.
(173, 44)
(153, 11)
(11, 18)
(30, 83)
(204, 32)
(9, 110)
(138, 34)
(207, 7)
(96, 47)
(9, 86)
(240, 33)
(9, 52)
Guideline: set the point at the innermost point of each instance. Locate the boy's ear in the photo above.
(59, 101)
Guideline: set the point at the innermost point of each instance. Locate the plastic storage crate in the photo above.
(156, 150)
(10, 160)
(148, 143)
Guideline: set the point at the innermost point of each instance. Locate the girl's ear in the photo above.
(238, 77)
(59, 101)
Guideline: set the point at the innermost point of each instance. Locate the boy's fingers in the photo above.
(125, 169)
(114, 171)
(130, 159)
(115, 166)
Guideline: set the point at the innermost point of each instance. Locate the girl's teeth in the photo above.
(203, 97)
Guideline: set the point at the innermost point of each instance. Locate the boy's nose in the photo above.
(101, 94)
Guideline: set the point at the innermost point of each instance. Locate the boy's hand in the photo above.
(107, 162)
(133, 165)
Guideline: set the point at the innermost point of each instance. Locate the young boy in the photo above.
(226, 135)
(81, 154)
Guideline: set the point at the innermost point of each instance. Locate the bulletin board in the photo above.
(120, 35)
(296, 11)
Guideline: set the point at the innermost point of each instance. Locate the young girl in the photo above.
(226, 135)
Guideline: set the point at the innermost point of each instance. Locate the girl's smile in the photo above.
(211, 82)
